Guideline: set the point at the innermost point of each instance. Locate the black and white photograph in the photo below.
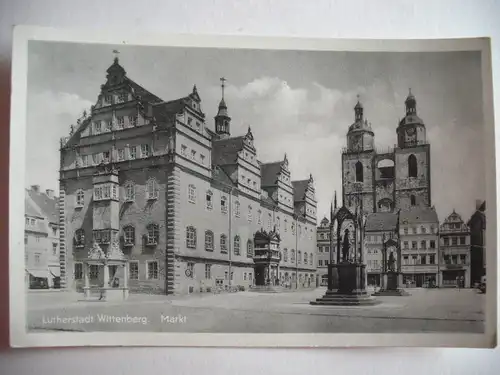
(252, 188)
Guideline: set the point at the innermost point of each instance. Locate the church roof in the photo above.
(361, 126)
(411, 119)
(419, 215)
(381, 221)
(269, 173)
(225, 151)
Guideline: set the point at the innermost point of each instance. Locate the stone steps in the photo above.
(335, 299)
(391, 293)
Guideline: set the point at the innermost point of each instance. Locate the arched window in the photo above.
(412, 166)
(151, 189)
(292, 256)
(413, 200)
(129, 192)
(80, 198)
(80, 238)
(249, 249)
(153, 234)
(129, 235)
(223, 243)
(305, 258)
(209, 240)
(359, 172)
(299, 257)
(236, 245)
(191, 237)
(223, 204)
(285, 255)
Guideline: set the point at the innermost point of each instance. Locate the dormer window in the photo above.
(108, 99)
(120, 121)
(132, 120)
(145, 151)
(108, 125)
(123, 97)
(105, 156)
(97, 127)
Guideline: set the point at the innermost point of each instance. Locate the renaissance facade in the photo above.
(184, 202)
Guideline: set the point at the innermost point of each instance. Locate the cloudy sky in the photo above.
(298, 102)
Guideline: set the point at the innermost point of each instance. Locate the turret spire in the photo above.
(335, 200)
(411, 104)
(222, 120)
(222, 85)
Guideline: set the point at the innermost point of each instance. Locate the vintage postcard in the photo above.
(239, 191)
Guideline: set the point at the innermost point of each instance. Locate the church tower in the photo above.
(222, 120)
(412, 160)
(357, 163)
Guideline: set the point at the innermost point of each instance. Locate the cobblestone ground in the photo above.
(426, 310)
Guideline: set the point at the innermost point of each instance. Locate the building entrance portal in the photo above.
(267, 257)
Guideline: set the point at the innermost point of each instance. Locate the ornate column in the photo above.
(106, 275)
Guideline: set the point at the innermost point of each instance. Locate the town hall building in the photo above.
(184, 202)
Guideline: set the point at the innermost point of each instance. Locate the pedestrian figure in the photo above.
(458, 283)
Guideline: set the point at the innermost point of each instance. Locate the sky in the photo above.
(296, 102)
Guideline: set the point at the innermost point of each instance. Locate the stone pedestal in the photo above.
(390, 285)
(350, 282)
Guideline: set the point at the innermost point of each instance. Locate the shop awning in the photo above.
(55, 271)
(43, 274)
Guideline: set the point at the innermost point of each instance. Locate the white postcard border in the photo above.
(20, 338)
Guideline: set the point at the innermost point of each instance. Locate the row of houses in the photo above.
(432, 253)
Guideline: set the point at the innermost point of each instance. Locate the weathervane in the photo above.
(223, 80)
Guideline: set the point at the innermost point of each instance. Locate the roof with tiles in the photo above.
(47, 205)
(225, 151)
(381, 221)
(419, 215)
(299, 190)
(269, 173)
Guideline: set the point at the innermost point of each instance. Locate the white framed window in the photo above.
(152, 266)
(191, 237)
(129, 191)
(223, 204)
(133, 152)
(132, 120)
(151, 189)
(133, 270)
(145, 151)
(120, 121)
(129, 235)
(153, 236)
(208, 269)
(106, 191)
(236, 245)
(85, 160)
(98, 193)
(97, 127)
(80, 198)
(209, 240)
(209, 200)
(191, 193)
(237, 210)
(223, 243)
(249, 215)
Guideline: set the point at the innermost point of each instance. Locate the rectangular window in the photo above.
(114, 192)
(413, 244)
(132, 120)
(192, 194)
(223, 205)
(405, 260)
(423, 245)
(54, 248)
(78, 271)
(108, 99)
(133, 270)
(405, 230)
(208, 273)
(152, 270)
(225, 275)
(202, 159)
(320, 263)
(37, 259)
(120, 122)
(446, 241)
(244, 276)
(97, 127)
(105, 156)
(432, 244)
(193, 154)
(85, 160)
(93, 271)
(250, 276)
(454, 241)
(95, 159)
(405, 245)
(145, 150)
(462, 240)
(109, 125)
(106, 191)
(223, 244)
(432, 259)
(123, 97)
(463, 258)
(183, 150)
(210, 204)
(133, 152)
(423, 259)
(98, 193)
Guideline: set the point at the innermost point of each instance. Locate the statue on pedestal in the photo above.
(391, 263)
(345, 246)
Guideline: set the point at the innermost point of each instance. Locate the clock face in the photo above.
(356, 141)
(410, 132)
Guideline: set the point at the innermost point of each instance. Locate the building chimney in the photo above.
(50, 193)
(35, 188)
(479, 202)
